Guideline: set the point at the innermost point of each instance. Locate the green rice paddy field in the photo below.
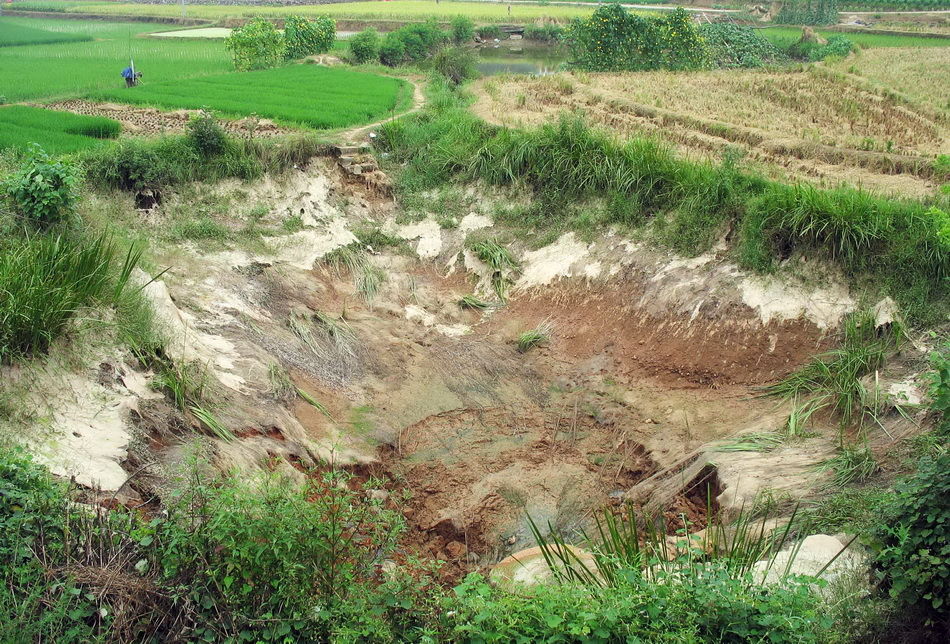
(13, 34)
(394, 10)
(57, 132)
(70, 69)
(312, 95)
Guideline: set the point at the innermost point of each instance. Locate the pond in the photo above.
(518, 57)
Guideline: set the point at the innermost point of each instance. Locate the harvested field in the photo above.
(801, 123)
(910, 72)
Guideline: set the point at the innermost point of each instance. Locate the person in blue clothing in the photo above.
(131, 76)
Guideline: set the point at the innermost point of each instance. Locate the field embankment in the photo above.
(798, 123)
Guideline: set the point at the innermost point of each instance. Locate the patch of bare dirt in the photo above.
(146, 121)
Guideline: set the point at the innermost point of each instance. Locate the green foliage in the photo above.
(534, 337)
(311, 95)
(364, 47)
(549, 33)
(256, 45)
(206, 134)
(308, 36)
(57, 132)
(456, 64)
(808, 12)
(732, 45)
(32, 533)
(463, 30)
(914, 561)
(712, 607)
(940, 389)
(411, 43)
(45, 280)
(269, 560)
(12, 34)
(489, 32)
(43, 191)
(613, 39)
(838, 46)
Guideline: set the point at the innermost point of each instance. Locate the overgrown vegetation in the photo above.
(613, 39)
(902, 245)
(308, 36)
(732, 45)
(808, 12)
(255, 45)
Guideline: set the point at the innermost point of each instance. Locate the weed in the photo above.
(474, 303)
(282, 388)
(313, 402)
(850, 465)
(184, 382)
(752, 442)
(535, 337)
(501, 262)
(211, 422)
(353, 259)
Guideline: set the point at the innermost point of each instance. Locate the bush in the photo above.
(42, 190)
(463, 30)
(392, 51)
(456, 64)
(613, 39)
(306, 36)
(837, 46)
(489, 32)
(549, 33)
(915, 559)
(256, 45)
(364, 47)
(206, 134)
(733, 45)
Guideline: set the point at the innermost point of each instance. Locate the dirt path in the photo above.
(358, 135)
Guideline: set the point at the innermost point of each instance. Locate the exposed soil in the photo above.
(146, 121)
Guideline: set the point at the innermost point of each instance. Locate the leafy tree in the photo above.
(43, 190)
(256, 45)
(305, 37)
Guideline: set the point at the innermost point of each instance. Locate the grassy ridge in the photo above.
(784, 37)
(12, 34)
(903, 246)
(57, 132)
(70, 69)
(320, 97)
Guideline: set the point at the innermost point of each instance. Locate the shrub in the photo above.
(914, 562)
(364, 46)
(837, 46)
(463, 30)
(43, 190)
(308, 36)
(613, 39)
(256, 45)
(489, 32)
(549, 33)
(392, 51)
(206, 134)
(456, 64)
(733, 45)
(808, 12)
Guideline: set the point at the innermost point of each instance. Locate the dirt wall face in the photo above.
(647, 359)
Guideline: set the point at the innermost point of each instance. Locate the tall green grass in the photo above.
(313, 95)
(12, 34)
(45, 280)
(902, 245)
(56, 132)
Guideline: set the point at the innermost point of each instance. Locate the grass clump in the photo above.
(473, 303)
(850, 465)
(500, 262)
(534, 337)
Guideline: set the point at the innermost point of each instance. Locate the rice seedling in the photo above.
(501, 262)
(534, 337)
(474, 303)
(57, 132)
(752, 442)
(311, 95)
(212, 423)
(850, 465)
(13, 34)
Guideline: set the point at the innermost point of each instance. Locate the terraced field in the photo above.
(58, 132)
(15, 33)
